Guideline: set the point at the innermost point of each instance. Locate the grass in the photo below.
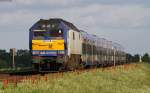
(15, 70)
(134, 78)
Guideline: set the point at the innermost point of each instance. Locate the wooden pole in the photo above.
(13, 53)
(114, 56)
(13, 57)
(14, 50)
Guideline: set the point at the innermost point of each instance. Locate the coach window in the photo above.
(73, 36)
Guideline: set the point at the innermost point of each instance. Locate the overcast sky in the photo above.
(124, 21)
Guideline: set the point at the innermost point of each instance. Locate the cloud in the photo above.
(106, 16)
(77, 2)
(113, 21)
(45, 2)
(16, 18)
(109, 16)
(116, 16)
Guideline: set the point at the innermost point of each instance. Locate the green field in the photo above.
(133, 78)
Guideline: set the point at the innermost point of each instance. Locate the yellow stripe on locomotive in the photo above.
(48, 44)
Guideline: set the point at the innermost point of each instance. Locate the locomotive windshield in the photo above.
(55, 34)
(39, 34)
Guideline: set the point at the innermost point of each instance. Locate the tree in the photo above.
(23, 58)
(5, 58)
(3, 64)
(136, 58)
(129, 57)
(2, 51)
(146, 58)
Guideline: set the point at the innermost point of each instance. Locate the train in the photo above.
(56, 44)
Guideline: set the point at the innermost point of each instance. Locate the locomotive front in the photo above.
(47, 44)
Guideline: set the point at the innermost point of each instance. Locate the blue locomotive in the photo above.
(56, 44)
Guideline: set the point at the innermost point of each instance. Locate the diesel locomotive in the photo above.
(56, 44)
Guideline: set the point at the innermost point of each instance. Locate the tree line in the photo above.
(23, 58)
(138, 58)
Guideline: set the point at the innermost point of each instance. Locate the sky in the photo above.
(126, 22)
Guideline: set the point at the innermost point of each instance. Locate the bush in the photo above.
(146, 58)
(136, 58)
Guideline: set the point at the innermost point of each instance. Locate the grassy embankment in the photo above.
(122, 79)
(15, 70)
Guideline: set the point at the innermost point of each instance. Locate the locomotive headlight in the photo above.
(35, 52)
(61, 52)
(60, 31)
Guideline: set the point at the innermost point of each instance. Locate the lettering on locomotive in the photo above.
(48, 45)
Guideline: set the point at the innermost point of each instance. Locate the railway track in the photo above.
(31, 75)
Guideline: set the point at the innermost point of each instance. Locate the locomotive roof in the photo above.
(58, 21)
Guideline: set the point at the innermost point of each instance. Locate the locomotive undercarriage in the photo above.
(54, 63)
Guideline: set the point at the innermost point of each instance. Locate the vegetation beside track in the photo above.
(132, 78)
(15, 70)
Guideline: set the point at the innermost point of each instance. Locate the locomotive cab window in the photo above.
(73, 36)
(56, 33)
(38, 34)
